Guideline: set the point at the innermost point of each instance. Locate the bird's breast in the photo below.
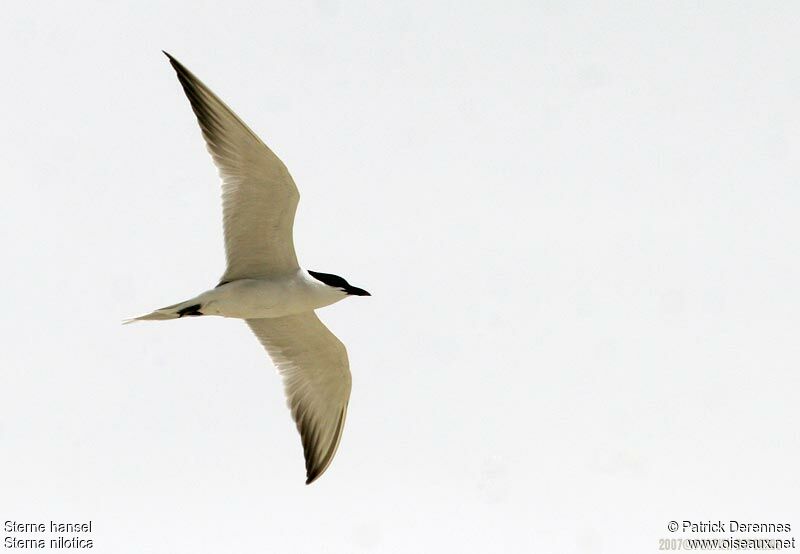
(263, 298)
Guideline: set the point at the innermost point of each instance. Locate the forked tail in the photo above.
(187, 308)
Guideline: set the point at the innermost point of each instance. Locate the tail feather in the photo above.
(189, 307)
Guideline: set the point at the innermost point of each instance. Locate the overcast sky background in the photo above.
(579, 222)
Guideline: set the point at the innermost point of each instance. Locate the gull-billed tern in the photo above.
(264, 284)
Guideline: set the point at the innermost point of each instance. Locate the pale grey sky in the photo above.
(578, 220)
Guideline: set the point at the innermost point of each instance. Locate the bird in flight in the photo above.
(263, 282)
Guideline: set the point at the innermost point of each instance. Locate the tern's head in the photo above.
(338, 283)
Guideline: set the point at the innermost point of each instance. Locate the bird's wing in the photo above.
(259, 197)
(316, 379)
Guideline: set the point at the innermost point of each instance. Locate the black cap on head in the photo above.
(338, 282)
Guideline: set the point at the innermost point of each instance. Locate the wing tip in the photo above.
(310, 478)
(314, 473)
(316, 467)
(176, 65)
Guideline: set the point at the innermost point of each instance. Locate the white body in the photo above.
(272, 297)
